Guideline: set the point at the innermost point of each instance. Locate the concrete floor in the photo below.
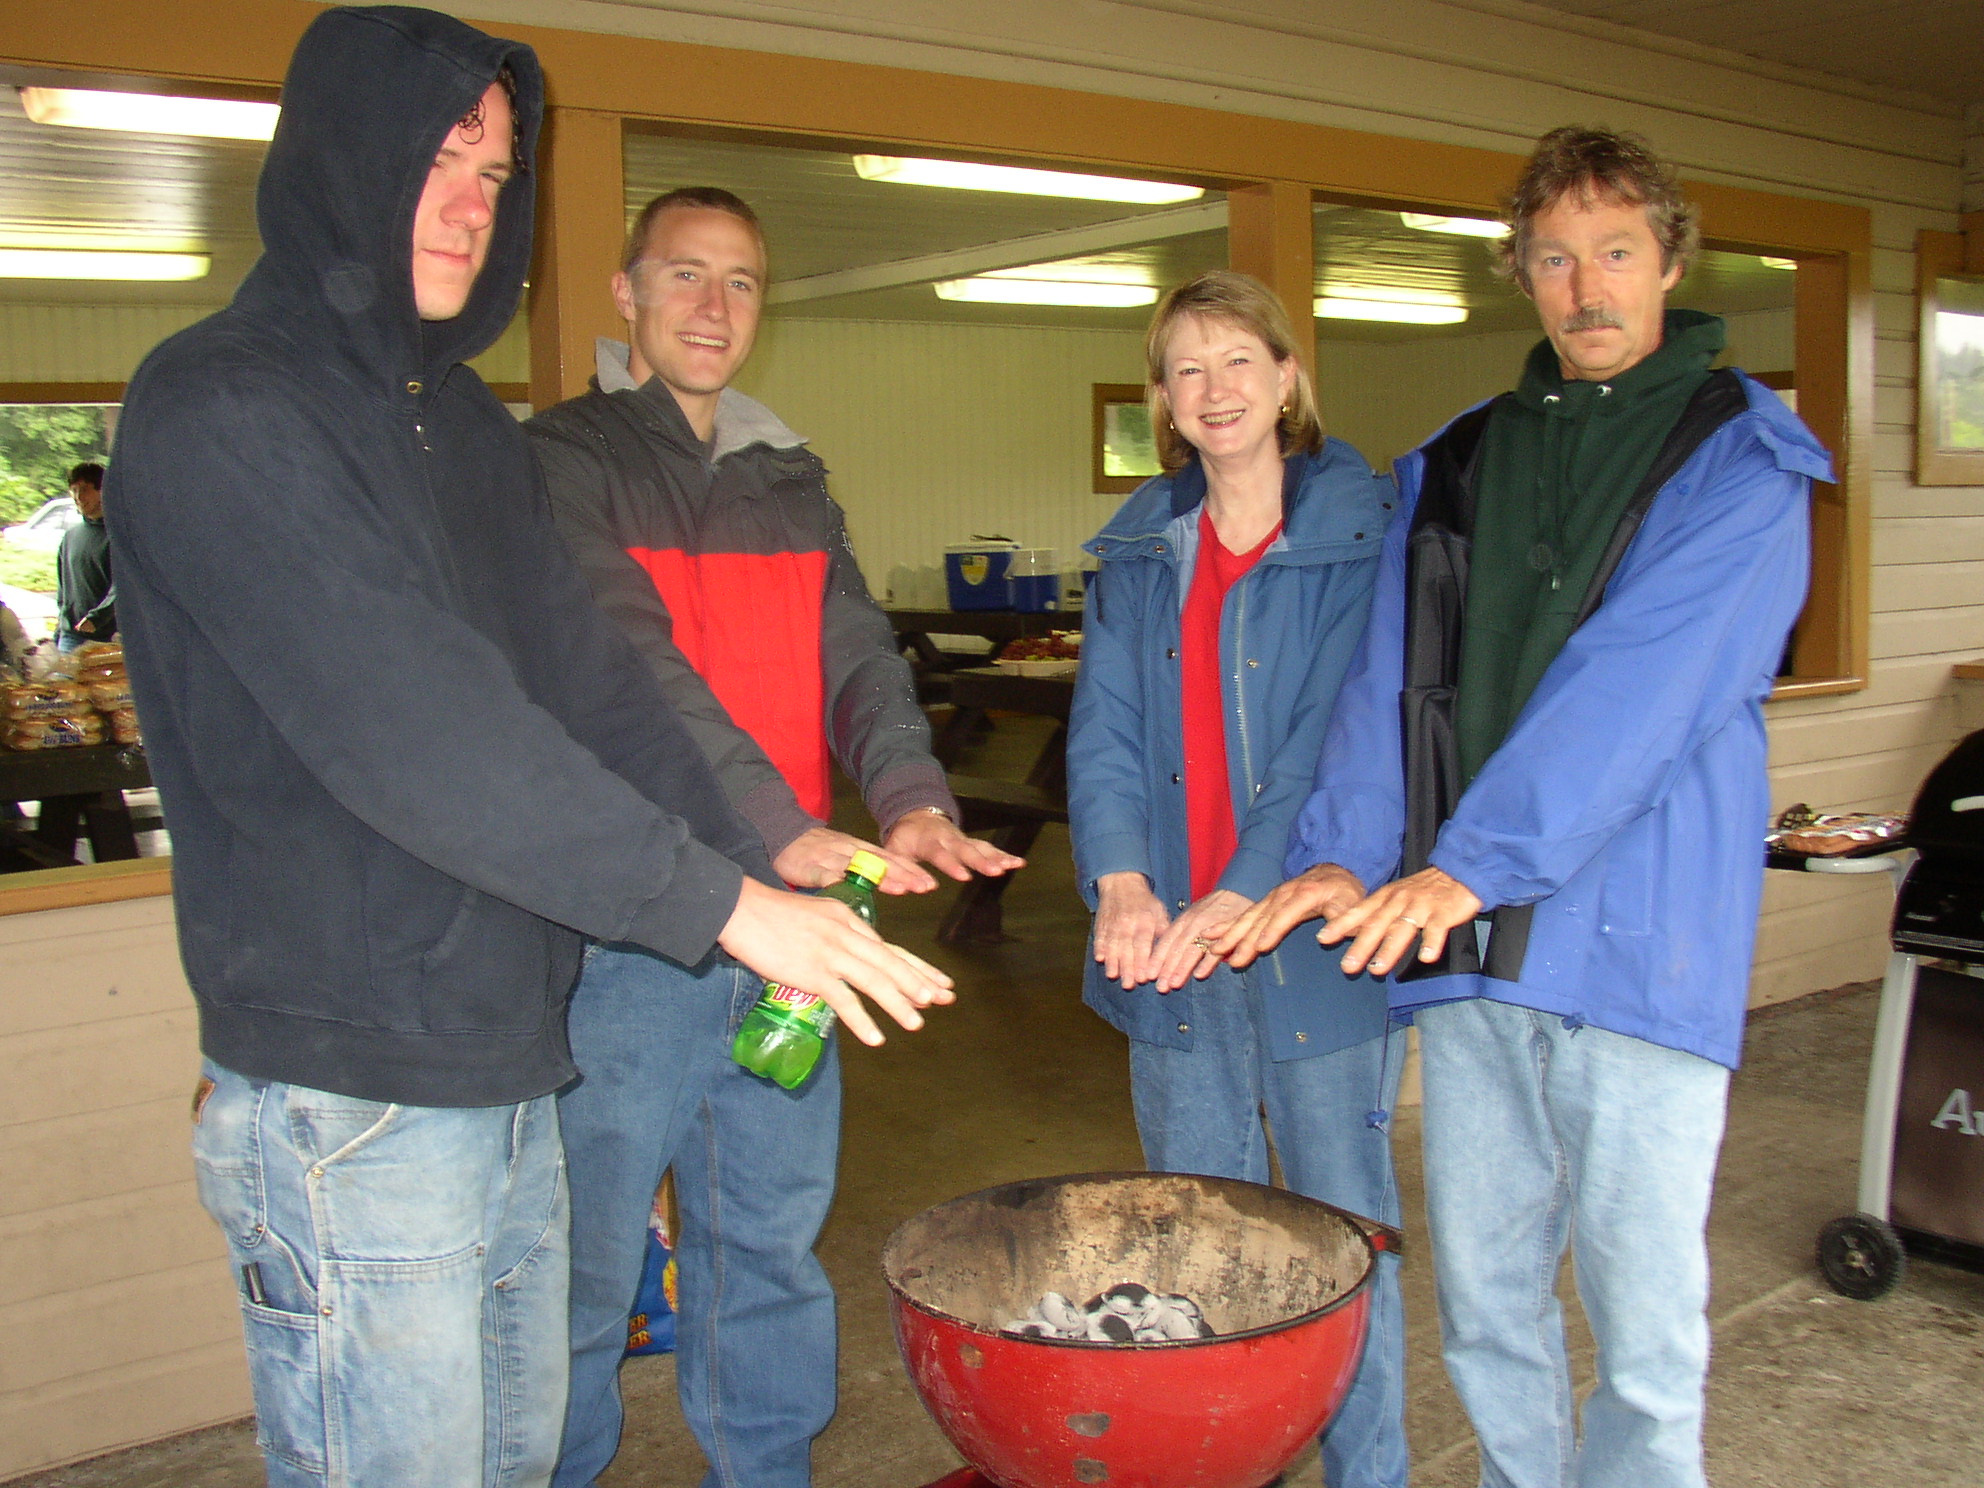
(1018, 1080)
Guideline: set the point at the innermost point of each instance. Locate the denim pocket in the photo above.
(289, 1396)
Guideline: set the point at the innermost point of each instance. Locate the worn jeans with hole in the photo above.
(402, 1271)
(1538, 1134)
(1199, 1110)
(754, 1178)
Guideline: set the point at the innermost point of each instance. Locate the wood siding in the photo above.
(117, 1320)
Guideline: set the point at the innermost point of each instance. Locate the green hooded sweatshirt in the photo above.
(1560, 461)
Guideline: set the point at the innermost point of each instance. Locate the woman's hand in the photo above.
(1129, 919)
(1185, 950)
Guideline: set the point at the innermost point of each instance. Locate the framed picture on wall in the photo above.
(1124, 454)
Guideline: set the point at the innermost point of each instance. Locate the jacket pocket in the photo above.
(1625, 903)
(488, 970)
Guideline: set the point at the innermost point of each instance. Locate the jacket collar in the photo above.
(1329, 503)
(740, 421)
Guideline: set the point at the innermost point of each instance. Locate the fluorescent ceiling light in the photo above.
(1078, 271)
(969, 176)
(1399, 306)
(989, 290)
(1777, 263)
(151, 113)
(1466, 227)
(63, 263)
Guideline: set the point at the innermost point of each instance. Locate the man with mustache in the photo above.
(704, 526)
(1550, 758)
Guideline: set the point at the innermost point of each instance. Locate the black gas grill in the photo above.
(1940, 910)
(1922, 1141)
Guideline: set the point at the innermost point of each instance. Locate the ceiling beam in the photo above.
(982, 258)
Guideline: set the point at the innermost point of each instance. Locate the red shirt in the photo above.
(1209, 828)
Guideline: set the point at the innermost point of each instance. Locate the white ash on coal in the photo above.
(1127, 1313)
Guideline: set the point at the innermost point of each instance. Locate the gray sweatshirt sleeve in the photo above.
(876, 728)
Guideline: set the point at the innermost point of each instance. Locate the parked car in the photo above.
(44, 530)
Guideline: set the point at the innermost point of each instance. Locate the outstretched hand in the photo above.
(1185, 950)
(1129, 920)
(818, 856)
(927, 837)
(820, 946)
(1326, 890)
(1381, 928)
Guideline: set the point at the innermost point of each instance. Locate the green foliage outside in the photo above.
(25, 568)
(1961, 374)
(39, 445)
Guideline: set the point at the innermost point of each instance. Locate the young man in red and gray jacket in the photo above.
(705, 528)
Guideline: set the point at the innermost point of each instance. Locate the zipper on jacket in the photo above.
(1240, 685)
(1273, 957)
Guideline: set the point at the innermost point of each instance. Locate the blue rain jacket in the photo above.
(1628, 802)
(1287, 635)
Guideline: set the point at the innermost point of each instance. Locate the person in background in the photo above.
(1547, 769)
(1231, 595)
(409, 767)
(84, 594)
(704, 526)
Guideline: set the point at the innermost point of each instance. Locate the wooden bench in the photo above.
(1010, 813)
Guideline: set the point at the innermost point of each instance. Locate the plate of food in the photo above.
(1056, 654)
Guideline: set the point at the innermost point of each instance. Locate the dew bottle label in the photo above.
(785, 1032)
(795, 1006)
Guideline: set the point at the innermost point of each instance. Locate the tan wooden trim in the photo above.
(1969, 671)
(1938, 255)
(510, 392)
(1834, 371)
(1271, 234)
(1805, 687)
(1103, 394)
(582, 216)
(93, 883)
(61, 392)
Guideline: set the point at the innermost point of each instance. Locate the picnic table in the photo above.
(81, 791)
(1009, 812)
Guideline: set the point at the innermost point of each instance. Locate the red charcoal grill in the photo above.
(1283, 1279)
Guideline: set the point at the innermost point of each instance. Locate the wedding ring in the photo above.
(1415, 924)
(1201, 942)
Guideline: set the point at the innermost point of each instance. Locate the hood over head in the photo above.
(371, 96)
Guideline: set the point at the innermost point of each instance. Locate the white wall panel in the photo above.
(936, 433)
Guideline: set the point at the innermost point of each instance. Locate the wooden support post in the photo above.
(581, 221)
(1973, 242)
(1270, 233)
(1834, 378)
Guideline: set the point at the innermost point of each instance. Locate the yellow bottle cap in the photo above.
(869, 866)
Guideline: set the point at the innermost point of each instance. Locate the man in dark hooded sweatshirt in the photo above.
(409, 768)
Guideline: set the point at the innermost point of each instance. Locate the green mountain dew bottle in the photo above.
(783, 1035)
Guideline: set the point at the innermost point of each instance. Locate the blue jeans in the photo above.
(1199, 1110)
(754, 1178)
(403, 1282)
(1537, 1134)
